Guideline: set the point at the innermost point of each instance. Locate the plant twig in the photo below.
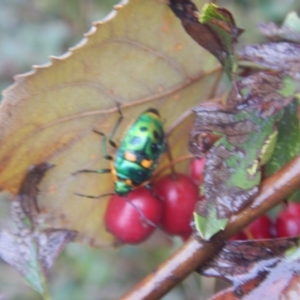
(196, 252)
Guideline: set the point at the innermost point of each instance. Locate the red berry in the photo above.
(197, 167)
(131, 219)
(179, 195)
(239, 236)
(261, 228)
(288, 221)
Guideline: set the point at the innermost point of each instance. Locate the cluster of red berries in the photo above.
(286, 224)
(169, 205)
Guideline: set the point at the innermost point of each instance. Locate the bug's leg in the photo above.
(113, 132)
(101, 171)
(104, 150)
(94, 197)
(105, 155)
(110, 140)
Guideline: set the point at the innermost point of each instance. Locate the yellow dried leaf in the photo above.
(139, 57)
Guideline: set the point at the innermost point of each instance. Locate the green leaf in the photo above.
(288, 140)
(34, 274)
(223, 26)
(21, 253)
(289, 88)
(293, 253)
(256, 149)
(210, 225)
(247, 130)
(292, 21)
(232, 170)
(214, 29)
(31, 249)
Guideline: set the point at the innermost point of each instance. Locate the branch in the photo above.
(196, 252)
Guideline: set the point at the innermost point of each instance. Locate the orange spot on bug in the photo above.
(129, 156)
(129, 182)
(146, 163)
(114, 174)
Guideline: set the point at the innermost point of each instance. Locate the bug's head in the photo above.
(122, 188)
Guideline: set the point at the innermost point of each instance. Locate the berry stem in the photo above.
(174, 162)
(248, 234)
(171, 160)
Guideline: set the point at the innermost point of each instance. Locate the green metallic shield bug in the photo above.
(137, 156)
(139, 152)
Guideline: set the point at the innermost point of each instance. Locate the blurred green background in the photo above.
(31, 31)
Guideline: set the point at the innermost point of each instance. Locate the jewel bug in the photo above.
(137, 156)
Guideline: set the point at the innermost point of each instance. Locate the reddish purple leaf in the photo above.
(257, 268)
